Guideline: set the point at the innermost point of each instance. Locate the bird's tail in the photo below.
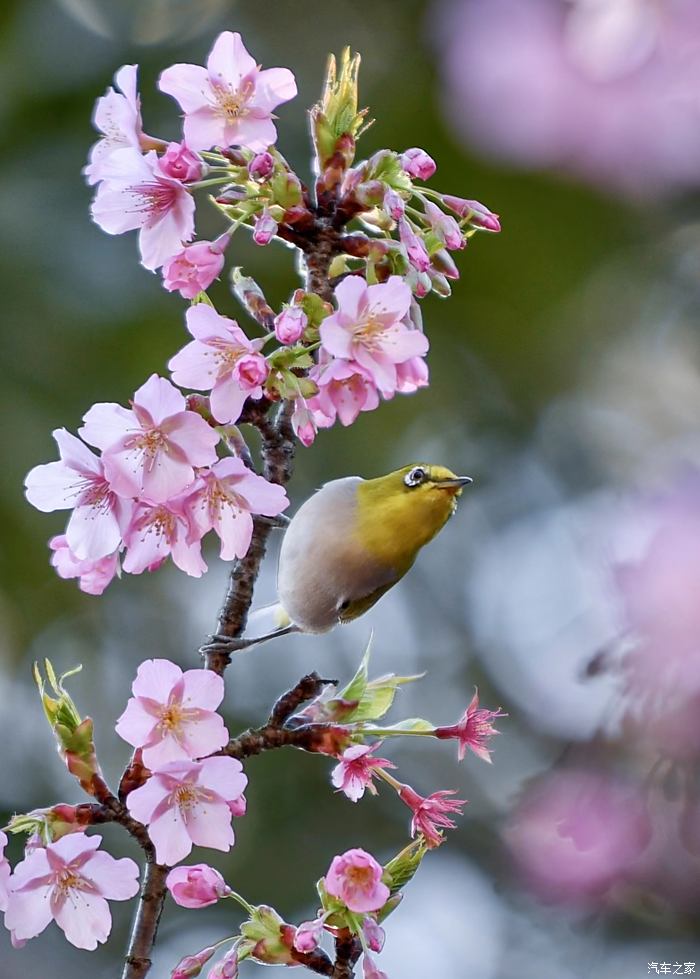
(266, 620)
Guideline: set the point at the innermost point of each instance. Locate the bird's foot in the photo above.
(218, 644)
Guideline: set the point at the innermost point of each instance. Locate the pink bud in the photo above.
(261, 166)
(238, 806)
(417, 163)
(265, 228)
(192, 965)
(476, 213)
(250, 370)
(415, 249)
(197, 886)
(181, 163)
(290, 324)
(374, 934)
(194, 268)
(308, 935)
(394, 204)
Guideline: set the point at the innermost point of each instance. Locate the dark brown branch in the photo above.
(325, 739)
(307, 688)
(145, 928)
(347, 951)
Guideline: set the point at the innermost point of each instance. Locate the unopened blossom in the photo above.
(93, 575)
(158, 531)
(370, 969)
(374, 934)
(181, 163)
(250, 371)
(474, 730)
(5, 871)
(225, 498)
(394, 204)
(78, 482)
(477, 214)
(431, 813)
(344, 390)
(70, 882)
(172, 715)
(308, 935)
(304, 421)
(117, 116)
(290, 324)
(356, 770)
(186, 804)
(135, 193)
(238, 806)
(194, 269)
(208, 362)
(355, 878)
(417, 163)
(261, 166)
(197, 886)
(231, 101)
(367, 328)
(264, 228)
(192, 965)
(415, 248)
(226, 968)
(150, 449)
(444, 226)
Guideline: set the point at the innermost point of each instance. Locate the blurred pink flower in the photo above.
(356, 770)
(158, 531)
(186, 803)
(604, 89)
(444, 227)
(172, 715)
(135, 193)
(370, 969)
(181, 163)
(576, 833)
(5, 871)
(417, 163)
(344, 390)
(476, 213)
(414, 245)
(473, 730)
(355, 878)
(432, 812)
(264, 228)
(209, 361)
(374, 934)
(197, 886)
(117, 116)
(194, 269)
(94, 575)
(231, 101)
(308, 935)
(78, 481)
(69, 882)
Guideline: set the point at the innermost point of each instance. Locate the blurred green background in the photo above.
(563, 376)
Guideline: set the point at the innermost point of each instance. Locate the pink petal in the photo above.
(76, 454)
(164, 239)
(170, 837)
(209, 824)
(117, 880)
(255, 134)
(262, 496)
(235, 529)
(188, 84)
(135, 725)
(204, 735)
(30, 871)
(389, 300)
(164, 750)
(160, 398)
(74, 847)
(205, 324)
(224, 775)
(105, 424)
(351, 296)
(52, 486)
(227, 400)
(195, 366)
(144, 801)
(93, 532)
(165, 478)
(85, 918)
(228, 60)
(195, 437)
(273, 86)
(188, 557)
(335, 338)
(28, 912)
(202, 688)
(155, 678)
(116, 209)
(204, 129)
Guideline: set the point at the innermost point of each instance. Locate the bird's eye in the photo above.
(415, 477)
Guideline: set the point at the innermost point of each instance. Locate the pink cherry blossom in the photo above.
(5, 871)
(417, 163)
(370, 969)
(264, 228)
(290, 324)
(394, 204)
(250, 371)
(225, 498)
(308, 935)
(192, 965)
(136, 193)
(94, 576)
(444, 226)
(227, 968)
(172, 715)
(411, 375)
(181, 163)
(477, 214)
(194, 269)
(186, 803)
(431, 813)
(208, 362)
(367, 328)
(150, 450)
(69, 881)
(344, 390)
(231, 101)
(78, 481)
(473, 730)
(415, 249)
(261, 166)
(160, 530)
(197, 886)
(355, 878)
(118, 117)
(304, 421)
(374, 934)
(356, 769)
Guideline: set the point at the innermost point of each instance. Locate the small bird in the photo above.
(351, 542)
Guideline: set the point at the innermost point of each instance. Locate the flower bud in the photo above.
(265, 228)
(194, 268)
(197, 886)
(181, 163)
(308, 935)
(394, 204)
(417, 163)
(192, 965)
(267, 937)
(286, 188)
(49, 825)
(290, 324)
(250, 371)
(477, 214)
(337, 115)
(261, 166)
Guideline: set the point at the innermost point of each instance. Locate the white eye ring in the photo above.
(415, 477)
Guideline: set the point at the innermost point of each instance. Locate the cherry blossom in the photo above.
(209, 361)
(158, 531)
(224, 499)
(186, 803)
(473, 730)
(355, 878)
(431, 813)
(264, 228)
(476, 213)
(194, 269)
(180, 163)
(370, 969)
(261, 166)
(374, 934)
(78, 481)
(94, 576)
(344, 390)
(308, 935)
(69, 882)
(290, 324)
(192, 965)
(444, 226)
(305, 421)
(417, 163)
(411, 375)
(5, 871)
(415, 248)
(150, 450)
(367, 328)
(197, 886)
(172, 715)
(231, 101)
(356, 769)
(135, 193)
(118, 117)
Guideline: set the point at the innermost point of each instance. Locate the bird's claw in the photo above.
(224, 644)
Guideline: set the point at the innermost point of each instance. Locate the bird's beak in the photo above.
(454, 483)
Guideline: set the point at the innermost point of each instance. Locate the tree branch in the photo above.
(347, 951)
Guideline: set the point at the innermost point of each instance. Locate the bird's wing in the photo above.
(358, 606)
